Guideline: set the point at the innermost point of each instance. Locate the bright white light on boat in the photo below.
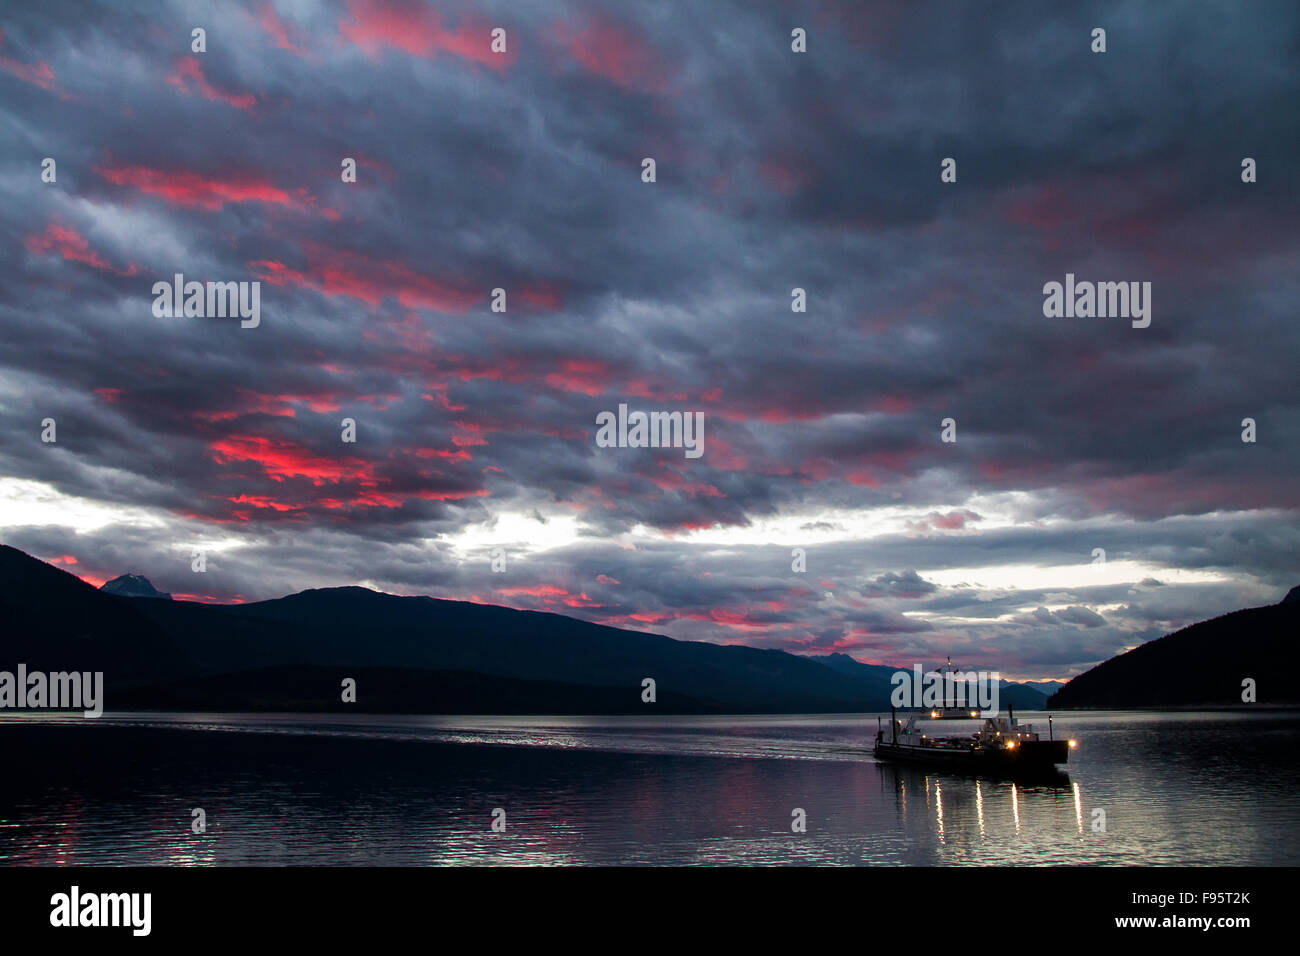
(934, 713)
(1011, 745)
(1074, 743)
(972, 713)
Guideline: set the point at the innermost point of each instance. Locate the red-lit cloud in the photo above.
(184, 188)
(337, 273)
(72, 246)
(419, 30)
(283, 459)
(614, 51)
(38, 75)
(279, 31)
(189, 72)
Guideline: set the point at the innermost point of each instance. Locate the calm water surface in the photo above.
(1201, 789)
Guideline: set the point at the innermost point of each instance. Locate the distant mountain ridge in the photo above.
(877, 679)
(423, 654)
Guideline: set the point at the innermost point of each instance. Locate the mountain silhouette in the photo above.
(133, 585)
(1204, 664)
(54, 621)
(170, 651)
(428, 655)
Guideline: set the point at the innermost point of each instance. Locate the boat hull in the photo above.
(1031, 756)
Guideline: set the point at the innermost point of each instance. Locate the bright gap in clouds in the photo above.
(521, 531)
(35, 503)
(515, 531)
(801, 529)
(25, 503)
(1029, 577)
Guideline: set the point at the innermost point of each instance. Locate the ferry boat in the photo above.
(1002, 746)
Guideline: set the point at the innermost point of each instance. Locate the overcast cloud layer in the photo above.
(775, 170)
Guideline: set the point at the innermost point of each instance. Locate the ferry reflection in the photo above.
(961, 810)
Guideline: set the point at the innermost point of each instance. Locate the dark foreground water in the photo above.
(1185, 789)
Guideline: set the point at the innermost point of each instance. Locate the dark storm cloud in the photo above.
(775, 171)
(906, 584)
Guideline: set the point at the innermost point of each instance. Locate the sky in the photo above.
(775, 170)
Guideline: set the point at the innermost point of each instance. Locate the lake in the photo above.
(1188, 788)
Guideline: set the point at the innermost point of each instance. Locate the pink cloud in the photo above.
(335, 272)
(420, 31)
(184, 188)
(39, 75)
(278, 30)
(72, 246)
(614, 51)
(188, 69)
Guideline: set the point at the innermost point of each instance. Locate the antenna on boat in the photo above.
(893, 722)
(1049, 726)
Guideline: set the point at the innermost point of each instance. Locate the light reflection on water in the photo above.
(301, 789)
